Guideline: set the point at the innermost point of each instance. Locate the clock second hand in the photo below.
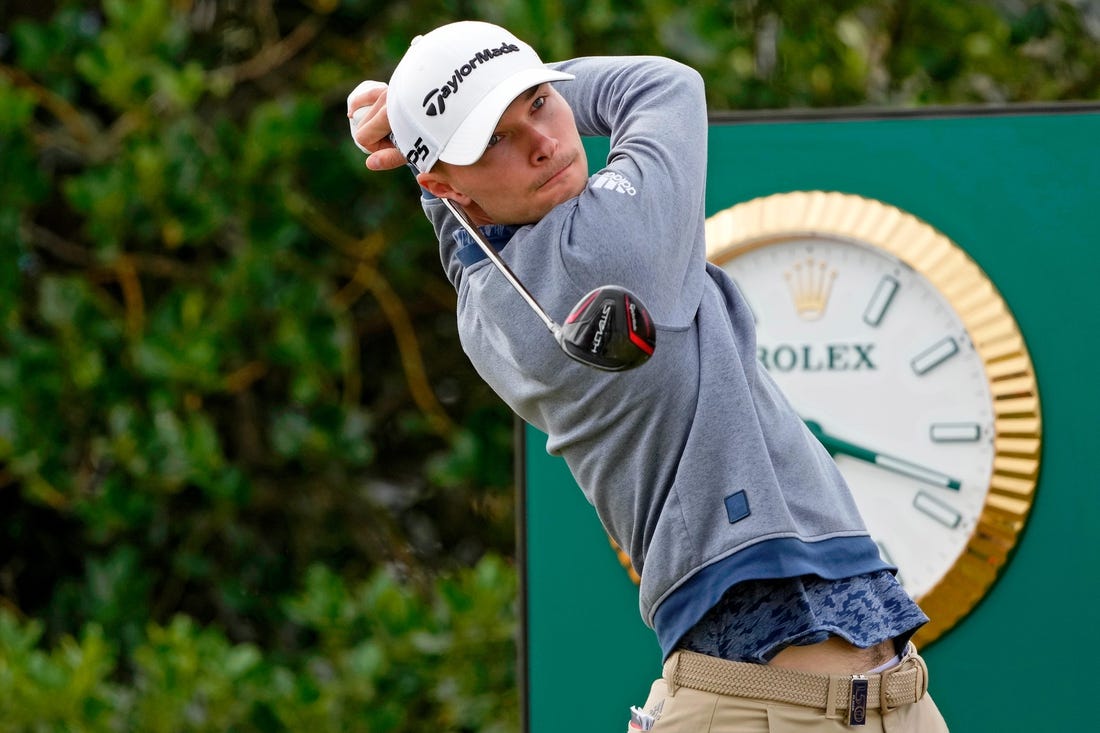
(836, 445)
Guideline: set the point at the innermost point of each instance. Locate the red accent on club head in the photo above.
(634, 337)
(641, 343)
(580, 308)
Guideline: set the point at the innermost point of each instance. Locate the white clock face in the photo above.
(875, 360)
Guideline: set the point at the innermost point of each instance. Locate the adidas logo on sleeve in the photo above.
(612, 181)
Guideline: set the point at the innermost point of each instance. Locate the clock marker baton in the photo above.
(836, 445)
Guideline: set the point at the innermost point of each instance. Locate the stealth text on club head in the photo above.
(609, 329)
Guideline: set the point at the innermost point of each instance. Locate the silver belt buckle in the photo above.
(857, 701)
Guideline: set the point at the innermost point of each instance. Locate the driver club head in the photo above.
(609, 329)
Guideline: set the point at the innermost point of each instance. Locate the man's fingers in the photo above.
(361, 106)
(365, 95)
(367, 115)
(370, 128)
(385, 159)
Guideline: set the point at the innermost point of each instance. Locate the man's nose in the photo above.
(543, 144)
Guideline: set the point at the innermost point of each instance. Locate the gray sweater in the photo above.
(695, 462)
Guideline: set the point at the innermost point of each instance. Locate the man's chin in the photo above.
(546, 198)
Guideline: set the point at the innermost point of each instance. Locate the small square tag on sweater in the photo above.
(737, 506)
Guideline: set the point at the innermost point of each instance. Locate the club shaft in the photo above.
(495, 258)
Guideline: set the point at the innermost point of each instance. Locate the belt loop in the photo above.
(922, 676)
(669, 673)
(830, 702)
(912, 662)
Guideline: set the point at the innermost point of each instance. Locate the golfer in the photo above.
(771, 604)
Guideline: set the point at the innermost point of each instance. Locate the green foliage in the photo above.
(763, 54)
(48, 690)
(228, 358)
(386, 660)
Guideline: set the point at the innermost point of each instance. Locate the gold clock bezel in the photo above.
(991, 328)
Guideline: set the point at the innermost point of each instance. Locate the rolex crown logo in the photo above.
(811, 282)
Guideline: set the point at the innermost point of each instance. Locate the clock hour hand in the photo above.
(837, 445)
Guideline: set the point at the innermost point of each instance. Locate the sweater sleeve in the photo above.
(639, 223)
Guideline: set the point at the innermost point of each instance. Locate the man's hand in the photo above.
(370, 126)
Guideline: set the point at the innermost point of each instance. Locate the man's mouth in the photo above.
(554, 176)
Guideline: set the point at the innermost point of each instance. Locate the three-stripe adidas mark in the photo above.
(613, 181)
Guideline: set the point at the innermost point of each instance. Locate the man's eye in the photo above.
(538, 103)
(493, 140)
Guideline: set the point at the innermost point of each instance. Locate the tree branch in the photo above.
(77, 124)
(78, 256)
(272, 55)
(367, 279)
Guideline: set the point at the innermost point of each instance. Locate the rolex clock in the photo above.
(904, 361)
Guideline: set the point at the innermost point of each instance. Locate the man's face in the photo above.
(534, 162)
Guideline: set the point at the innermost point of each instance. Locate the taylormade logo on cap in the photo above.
(448, 93)
(434, 102)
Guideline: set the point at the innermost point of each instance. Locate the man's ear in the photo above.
(437, 186)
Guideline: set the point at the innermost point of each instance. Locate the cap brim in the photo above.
(468, 143)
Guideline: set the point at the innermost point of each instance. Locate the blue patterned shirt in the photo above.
(757, 619)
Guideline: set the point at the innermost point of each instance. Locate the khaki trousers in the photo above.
(782, 700)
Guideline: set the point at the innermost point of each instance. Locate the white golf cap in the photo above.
(449, 91)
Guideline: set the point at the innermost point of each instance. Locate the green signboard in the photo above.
(1019, 192)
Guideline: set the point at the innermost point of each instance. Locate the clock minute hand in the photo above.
(837, 445)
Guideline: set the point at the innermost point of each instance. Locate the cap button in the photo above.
(416, 40)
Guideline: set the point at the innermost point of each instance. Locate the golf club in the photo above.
(607, 329)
